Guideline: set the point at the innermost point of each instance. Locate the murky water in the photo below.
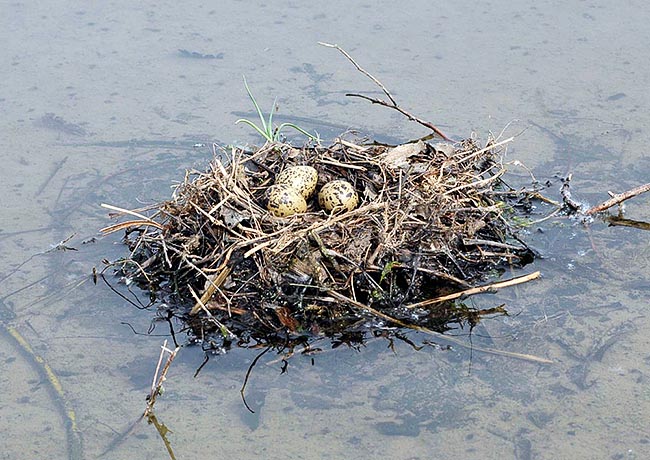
(106, 103)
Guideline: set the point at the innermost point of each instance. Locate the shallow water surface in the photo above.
(111, 103)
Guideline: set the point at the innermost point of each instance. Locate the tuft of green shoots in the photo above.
(266, 128)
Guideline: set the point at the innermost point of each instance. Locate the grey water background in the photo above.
(112, 102)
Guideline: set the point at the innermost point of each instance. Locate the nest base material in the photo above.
(432, 219)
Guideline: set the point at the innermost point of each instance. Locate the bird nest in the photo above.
(432, 219)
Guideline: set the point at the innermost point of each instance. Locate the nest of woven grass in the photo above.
(432, 219)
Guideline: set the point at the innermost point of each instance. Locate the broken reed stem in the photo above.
(126, 211)
(141, 221)
(618, 198)
(158, 380)
(392, 104)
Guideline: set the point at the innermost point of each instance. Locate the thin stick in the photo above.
(454, 340)
(477, 290)
(366, 73)
(484, 149)
(392, 104)
(476, 184)
(619, 198)
(342, 165)
(248, 374)
(408, 115)
(567, 199)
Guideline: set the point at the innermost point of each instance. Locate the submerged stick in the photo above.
(73, 433)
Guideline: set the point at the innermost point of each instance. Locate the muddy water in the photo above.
(112, 103)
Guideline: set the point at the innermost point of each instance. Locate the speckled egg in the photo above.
(285, 201)
(338, 195)
(301, 178)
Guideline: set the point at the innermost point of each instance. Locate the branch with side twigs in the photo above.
(573, 207)
(617, 198)
(391, 103)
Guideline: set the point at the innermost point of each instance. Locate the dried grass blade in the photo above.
(130, 223)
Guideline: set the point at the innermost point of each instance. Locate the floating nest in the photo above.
(432, 219)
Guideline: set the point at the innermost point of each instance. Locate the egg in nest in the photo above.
(338, 195)
(285, 201)
(300, 178)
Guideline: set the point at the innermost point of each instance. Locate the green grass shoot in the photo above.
(266, 128)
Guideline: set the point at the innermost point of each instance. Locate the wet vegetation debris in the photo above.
(403, 230)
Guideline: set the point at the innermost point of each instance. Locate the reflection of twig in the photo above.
(620, 222)
(162, 431)
(392, 104)
(159, 379)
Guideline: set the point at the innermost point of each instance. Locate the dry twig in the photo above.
(618, 198)
(392, 104)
